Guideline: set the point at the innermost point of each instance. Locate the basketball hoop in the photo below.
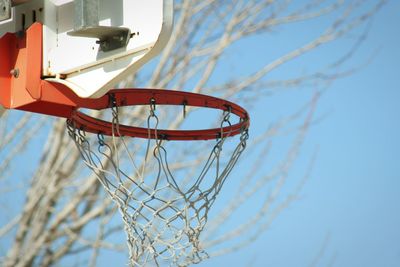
(164, 216)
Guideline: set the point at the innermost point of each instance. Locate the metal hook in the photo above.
(184, 108)
(152, 106)
(113, 105)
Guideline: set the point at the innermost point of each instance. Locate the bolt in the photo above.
(15, 73)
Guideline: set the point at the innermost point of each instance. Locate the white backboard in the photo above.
(80, 62)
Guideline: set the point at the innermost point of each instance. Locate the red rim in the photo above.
(131, 97)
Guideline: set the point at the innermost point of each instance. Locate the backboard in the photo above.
(91, 45)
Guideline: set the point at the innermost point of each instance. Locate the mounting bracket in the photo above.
(87, 25)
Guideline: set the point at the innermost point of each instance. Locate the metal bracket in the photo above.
(87, 25)
(5, 10)
(109, 38)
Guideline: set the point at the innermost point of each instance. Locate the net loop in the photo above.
(100, 138)
(227, 114)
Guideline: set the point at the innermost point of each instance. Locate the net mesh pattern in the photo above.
(163, 216)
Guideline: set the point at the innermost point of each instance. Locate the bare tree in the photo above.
(55, 211)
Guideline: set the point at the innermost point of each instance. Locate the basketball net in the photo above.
(163, 215)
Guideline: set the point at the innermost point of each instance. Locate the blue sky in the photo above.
(351, 203)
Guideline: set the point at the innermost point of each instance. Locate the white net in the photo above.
(163, 215)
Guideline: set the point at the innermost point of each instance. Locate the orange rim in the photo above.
(132, 97)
